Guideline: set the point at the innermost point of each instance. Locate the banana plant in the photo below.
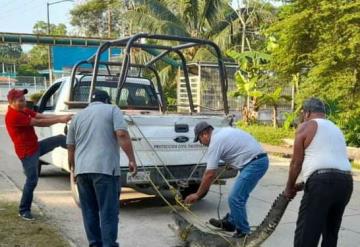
(273, 99)
(249, 79)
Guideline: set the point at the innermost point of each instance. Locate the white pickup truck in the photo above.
(162, 140)
(159, 139)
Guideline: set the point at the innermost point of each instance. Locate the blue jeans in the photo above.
(246, 181)
(99, 200)
(30, 166)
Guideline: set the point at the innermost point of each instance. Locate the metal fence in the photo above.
(206, 91)
(31, 83)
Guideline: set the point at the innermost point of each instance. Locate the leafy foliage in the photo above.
(267, 134)
(320, 41)
(99, 18)
(251, 83)
(10, 53)
(37, 57)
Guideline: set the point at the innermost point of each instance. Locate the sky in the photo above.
(19, 16)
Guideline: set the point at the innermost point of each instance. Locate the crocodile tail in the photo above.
(271, 221)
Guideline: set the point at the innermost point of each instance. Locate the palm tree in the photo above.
(208, 19)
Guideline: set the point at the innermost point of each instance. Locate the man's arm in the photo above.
(71, 157)
(46, 122)
(206, 182)
(43, 116)
(125, 143)
(303, 135)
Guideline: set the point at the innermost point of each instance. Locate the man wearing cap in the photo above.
(320, 152)
(93, 142)
(241, 151)
(20, 122)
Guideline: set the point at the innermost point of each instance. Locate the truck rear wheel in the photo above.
(192, 188)
(74, 190)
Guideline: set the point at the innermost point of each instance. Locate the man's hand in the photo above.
(72, 174)
(133, 167)
(66, 118)
(191, 199)
(290, 193)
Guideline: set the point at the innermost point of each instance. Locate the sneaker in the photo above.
(239, 234)
(223, 224)
(27, 216)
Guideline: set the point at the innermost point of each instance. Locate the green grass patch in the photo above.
(355, 165)
(267, 134)
(14, 231)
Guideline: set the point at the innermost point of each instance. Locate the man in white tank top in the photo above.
(320, 153)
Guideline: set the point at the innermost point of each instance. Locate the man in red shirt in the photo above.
(20, 122)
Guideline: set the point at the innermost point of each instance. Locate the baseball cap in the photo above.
(16, 93)
(199, 127)
(102, 96)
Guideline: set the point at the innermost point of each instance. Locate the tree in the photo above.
(100, 18)
(10, 53)
(254, 15)
(249, 80)
(37, 57)
(320, 41)
(41, 27)
(274, 99)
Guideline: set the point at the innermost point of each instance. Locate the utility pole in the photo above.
(49, 47)
(49, 33)
(109, 27)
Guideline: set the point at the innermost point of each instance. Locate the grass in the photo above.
(16, 232)
(267, 134)
(355, 165)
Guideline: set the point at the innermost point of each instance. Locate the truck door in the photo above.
(48, 105)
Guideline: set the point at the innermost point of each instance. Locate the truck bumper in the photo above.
(175, 175)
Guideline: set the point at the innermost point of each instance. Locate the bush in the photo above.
(267, 134)
(35, 97)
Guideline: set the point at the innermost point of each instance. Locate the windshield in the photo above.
(133, 95)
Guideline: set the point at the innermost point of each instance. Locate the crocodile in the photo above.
(195, 237)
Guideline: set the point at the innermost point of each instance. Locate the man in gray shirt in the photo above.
(241, 151)
(94, 157)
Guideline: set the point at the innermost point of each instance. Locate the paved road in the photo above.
(145, 223)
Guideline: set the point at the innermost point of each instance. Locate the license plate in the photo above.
(140, 177)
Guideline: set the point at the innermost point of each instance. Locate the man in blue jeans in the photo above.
(20, 122)
(241, 151)
(93, 142)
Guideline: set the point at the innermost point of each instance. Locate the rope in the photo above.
(152, 148)
(196, 166)
(219, 203)
(173, 190)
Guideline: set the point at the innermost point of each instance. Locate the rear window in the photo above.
(133, 96)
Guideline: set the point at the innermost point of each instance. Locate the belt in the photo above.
(331, 170)
(259, 156)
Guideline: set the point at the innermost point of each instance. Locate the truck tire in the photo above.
(74, 190)
(192, 188)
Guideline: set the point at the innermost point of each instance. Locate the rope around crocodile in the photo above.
(189, 232)
(175, 192)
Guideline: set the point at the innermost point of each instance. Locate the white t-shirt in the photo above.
(327, 150)
(233, 146)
